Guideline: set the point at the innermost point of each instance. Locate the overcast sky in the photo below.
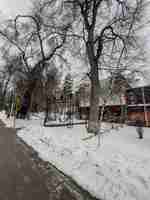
(10, 8)
(13, 7)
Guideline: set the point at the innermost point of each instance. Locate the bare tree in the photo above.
(107, 29)
(36, 39)
(11, 64)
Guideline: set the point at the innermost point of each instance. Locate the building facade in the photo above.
(138, 105)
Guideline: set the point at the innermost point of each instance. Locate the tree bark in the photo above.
(93, 123)
(29, 90)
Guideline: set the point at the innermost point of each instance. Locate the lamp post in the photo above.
(145, 110)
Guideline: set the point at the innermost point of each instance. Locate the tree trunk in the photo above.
(29, 92)
(93, 123)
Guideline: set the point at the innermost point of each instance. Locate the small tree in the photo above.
(10, 67)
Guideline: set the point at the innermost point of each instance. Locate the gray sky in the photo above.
(13, 7)
(10, 8)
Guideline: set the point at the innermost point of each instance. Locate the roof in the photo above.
(141, 79)
(111, 100)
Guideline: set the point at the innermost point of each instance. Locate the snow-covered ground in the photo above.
(9, 122)
(118, 169)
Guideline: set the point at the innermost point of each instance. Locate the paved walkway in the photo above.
(24, 176)
(19, 180)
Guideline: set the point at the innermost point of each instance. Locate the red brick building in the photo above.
(138, 104)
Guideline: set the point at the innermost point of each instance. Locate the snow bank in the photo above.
(117, 170)
(9, 122)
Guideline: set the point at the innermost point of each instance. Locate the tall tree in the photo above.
(107, 29)
(36, 38)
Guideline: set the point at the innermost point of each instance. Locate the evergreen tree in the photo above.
(68, 85)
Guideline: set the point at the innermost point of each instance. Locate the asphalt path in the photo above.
(24, 176)
(19, 179)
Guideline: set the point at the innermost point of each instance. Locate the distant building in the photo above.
(126, 102)
(138, 104)
(111, 95)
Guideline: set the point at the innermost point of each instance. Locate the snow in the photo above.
(118, 169)
(8, 122)
(141, 79)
